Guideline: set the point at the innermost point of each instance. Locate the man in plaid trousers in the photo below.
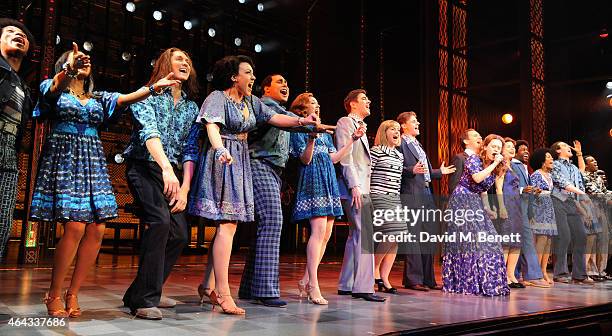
(268, 149)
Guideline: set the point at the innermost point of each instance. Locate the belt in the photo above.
(238, 136)
(8, 127)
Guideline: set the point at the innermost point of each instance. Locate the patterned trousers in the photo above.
(8, 193)
(260, 276)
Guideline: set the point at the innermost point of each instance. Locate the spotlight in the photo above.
(260, 7)
(609, 85)
(209, 77)
(258, 48)
(126, 56)
(157, 15)
(237, 41)
(130, 7)
(212, 32)
(241, 1)
(118, 158)
(152, 62)
(507, 118)
(57, 39)
(187, 24)
(87, 46)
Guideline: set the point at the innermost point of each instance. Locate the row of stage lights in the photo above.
(188, 24)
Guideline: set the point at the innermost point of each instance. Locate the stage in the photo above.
(100, 299)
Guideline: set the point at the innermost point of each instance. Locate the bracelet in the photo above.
(219, 152)
(578, 153)
(152, 90)
(69, 72)
(300, 121)
(355, 138)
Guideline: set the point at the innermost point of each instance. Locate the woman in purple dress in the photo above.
(470, 266)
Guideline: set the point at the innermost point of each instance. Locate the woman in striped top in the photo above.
(387, 165)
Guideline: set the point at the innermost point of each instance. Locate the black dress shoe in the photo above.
(516, 285)
(420, 288)
(343, 292)
(369, 297)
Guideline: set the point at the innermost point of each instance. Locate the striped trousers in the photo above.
(8, 193)
(260, 277)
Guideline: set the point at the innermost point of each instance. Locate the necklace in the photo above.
(81, 95)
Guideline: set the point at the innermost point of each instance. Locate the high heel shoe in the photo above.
(227, 308)
(212, 296)
(383, 288)
(302, 289)
(55, 307)
(316, 300)
(72, 305)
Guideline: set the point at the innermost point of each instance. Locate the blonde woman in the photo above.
(317, 197)
(385, 183)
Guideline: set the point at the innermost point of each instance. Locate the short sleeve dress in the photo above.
(72, 183)
(224, 192)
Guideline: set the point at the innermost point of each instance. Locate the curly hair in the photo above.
(538, 157)
(225, 68)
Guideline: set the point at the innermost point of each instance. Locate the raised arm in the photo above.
(143, 93)
(337, 156)
(483, 174)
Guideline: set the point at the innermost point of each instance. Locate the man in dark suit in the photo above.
(471, 141)
(528, 263)
(416, 191)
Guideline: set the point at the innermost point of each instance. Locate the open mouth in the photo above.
(184, 70)
(250, 85)
(284, 91)
(19, 40)
(395, 137)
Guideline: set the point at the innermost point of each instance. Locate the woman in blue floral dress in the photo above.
(72, 183)
(317, 197)
(543, 222)
(223, 186)
(469, 266)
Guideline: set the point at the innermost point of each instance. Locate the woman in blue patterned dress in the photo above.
(543, 222)
(72, 184)
(509, 211)
(469, 266)
(223, 187)
(317, 197)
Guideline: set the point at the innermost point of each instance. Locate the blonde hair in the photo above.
(381, 134)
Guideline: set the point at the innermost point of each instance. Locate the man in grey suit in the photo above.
(416, 190)
(357, 275)
(471, 141)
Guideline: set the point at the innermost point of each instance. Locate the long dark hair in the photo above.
(163, 66)
(88, 83)
(225, 68)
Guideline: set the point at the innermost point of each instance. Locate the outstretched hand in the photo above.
(166, 81)
(79, 59)
(447, 169)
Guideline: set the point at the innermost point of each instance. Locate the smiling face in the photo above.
(393, 135)
(82, 73)
(13, 42)
(591, 164)
(564, 151)
(361, 105)
(411, 127)
(181, 65)
(244, 80)
(522, 154)
(509, 151)
(548, 162)
(312, 106)
(474, 141)
(278, 89)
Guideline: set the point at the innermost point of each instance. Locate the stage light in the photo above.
(237, 41)
(87, 46)
(603, 33)
(57, 39)
(209, 77)
(258, 48)
(118, 158)
(611, 132)
(152, 62)
(126, 56)
(130, 7)
(507, 118)
(260, 7)
(157, 15)
(212, 32)
(609, 85)
(187, 24)
(241, 1)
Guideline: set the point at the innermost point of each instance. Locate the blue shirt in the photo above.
(174, 125)
(564, 173)
(270, 143)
